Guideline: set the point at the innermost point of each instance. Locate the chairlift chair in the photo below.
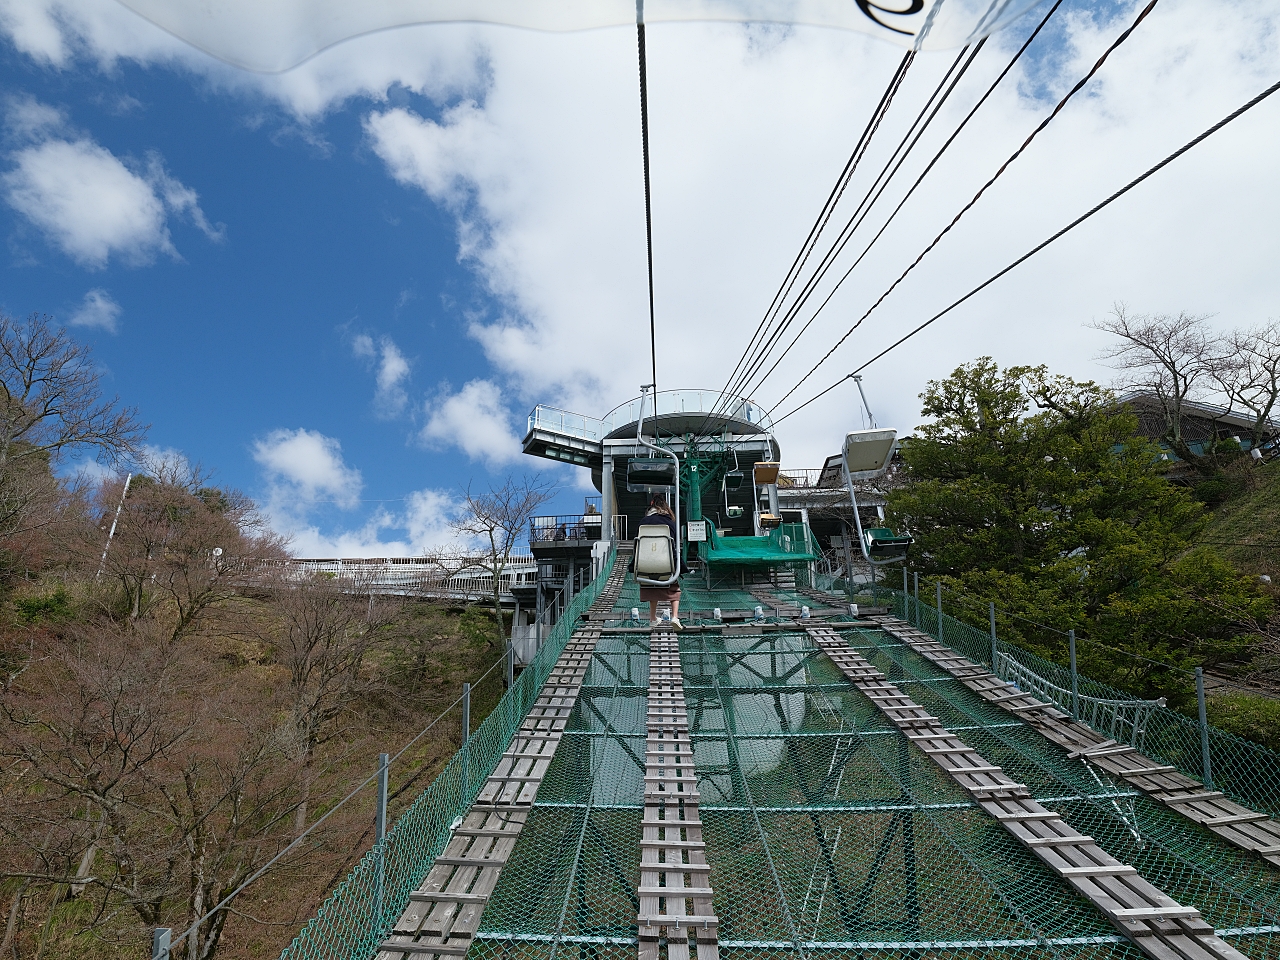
(650, 472)
(660, 551)
(865, 456)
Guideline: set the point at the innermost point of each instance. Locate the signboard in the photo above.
(697, 531)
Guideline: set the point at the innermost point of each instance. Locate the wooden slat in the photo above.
(1158, 925)
(1238, 825)
(674, 890)
(444, 912)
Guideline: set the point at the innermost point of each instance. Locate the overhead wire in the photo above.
(1040, 246)
(907, 196)
(828, 208)
(648, 207)
(863, 209)
(1057, 110)
(824, 215)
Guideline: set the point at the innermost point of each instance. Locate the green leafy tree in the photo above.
(1034, 491)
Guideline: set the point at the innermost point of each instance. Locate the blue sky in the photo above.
(343, 288)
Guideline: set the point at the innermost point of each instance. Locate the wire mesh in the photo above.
(827, 832)
(1246, 772)
(357, 914)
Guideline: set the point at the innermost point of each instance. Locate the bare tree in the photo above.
(51, 404)
(181, 543)
(1248, 371)
(322, 630)
(1173, 359)
(498, 518)
(138, 777)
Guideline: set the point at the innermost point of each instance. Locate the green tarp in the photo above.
(789, 543)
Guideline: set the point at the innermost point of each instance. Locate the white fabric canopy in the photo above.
(271, 36)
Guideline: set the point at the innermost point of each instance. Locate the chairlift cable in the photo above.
(1036, 249)
(1080, 84)
(828, 207)
(929, 167)
(824, 216)
(648, 209)
(863, 210)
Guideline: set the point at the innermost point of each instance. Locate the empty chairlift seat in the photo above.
(884, 544)
(650, 472)
(655, 554)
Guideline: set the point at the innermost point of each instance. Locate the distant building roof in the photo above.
(1200, 421)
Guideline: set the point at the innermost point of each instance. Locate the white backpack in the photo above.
(655, 554)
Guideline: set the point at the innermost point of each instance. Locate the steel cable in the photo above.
(1080, 84)
(929, 167)
(1036, 249)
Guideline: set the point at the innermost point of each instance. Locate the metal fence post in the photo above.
(906, 596)
(939, 585)
(160, 943)
(1204, 730)
(511, 663)
(380, 821)
(992, 611)
(1075, 677)
(380, 829)
(466, 712)
(915, 578)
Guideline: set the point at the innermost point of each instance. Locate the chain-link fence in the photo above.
(361, 909)
(1246, 772)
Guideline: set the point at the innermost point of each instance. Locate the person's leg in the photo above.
(653, 610)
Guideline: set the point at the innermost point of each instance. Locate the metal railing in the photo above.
(571, 527)
(1246, 772)
(567, 423)
(360, 911)
(1124, 721)
(574, 527)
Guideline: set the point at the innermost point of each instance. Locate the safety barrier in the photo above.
(361, 910)
(1124, 721)
(1244, 771)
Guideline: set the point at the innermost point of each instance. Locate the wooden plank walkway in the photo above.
(1157, 924)
(672, 853)
(444, 912)
(1234, 823)
(600, 609)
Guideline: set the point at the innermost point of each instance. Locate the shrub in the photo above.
(1247, 715)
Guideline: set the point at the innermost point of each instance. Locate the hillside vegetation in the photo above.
(1036, 492)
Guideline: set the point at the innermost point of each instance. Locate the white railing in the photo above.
(458, 578)
(1124, 721)
(555, 420)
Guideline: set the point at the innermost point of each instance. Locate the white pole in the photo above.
(114, 520)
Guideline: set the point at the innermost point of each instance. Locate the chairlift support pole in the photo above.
(857, 378)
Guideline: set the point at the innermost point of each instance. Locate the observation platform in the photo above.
(777, 781)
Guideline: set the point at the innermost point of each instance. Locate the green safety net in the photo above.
(828, 833)
(788, 543)
(357, 915)
(1244, 771)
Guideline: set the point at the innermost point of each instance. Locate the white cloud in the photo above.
(475, 420)
(98, 309)
(86, 200)
(391, 372)
(305, 465)
(535, 152)
(543, 176)
(88, 203)
(424, 525)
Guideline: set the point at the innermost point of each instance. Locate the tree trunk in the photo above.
(8, 947)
